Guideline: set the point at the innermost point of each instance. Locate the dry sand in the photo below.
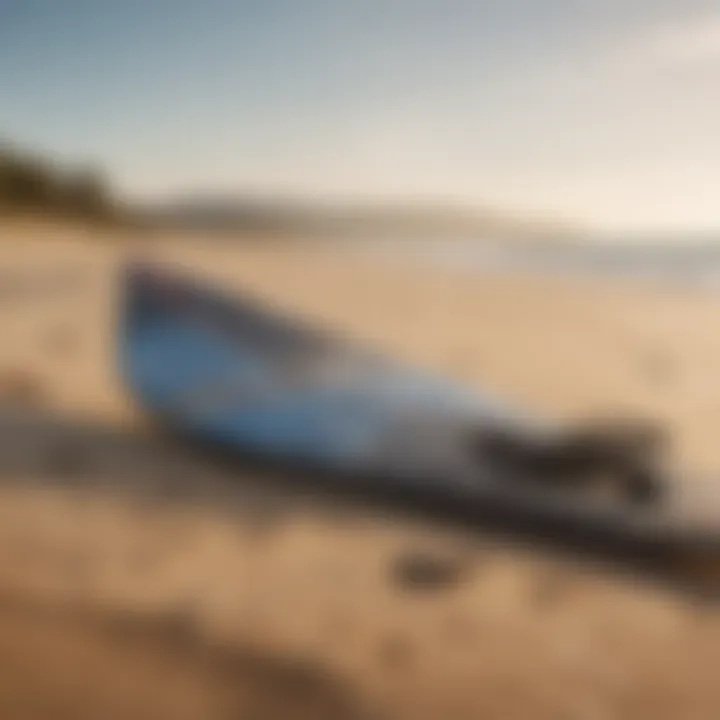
(239, 603)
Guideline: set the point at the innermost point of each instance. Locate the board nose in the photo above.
(139, 271)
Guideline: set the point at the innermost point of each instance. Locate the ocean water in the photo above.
(689, 263)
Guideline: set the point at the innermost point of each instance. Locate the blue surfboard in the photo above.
(230, 371)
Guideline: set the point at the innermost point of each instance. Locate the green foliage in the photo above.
(32, 183)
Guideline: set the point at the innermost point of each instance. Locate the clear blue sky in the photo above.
(602, 110)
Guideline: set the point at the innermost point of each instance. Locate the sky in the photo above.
(603, 112)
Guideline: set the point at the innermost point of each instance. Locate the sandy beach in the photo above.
(257, 605)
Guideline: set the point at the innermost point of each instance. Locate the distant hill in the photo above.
(273, 215)
(35, 183)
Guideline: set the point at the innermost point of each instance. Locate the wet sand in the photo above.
(299, 594)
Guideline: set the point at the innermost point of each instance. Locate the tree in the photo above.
(30, 182)
(85, 193)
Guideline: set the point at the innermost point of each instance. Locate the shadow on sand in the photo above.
(126, 666)
(45, 448)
